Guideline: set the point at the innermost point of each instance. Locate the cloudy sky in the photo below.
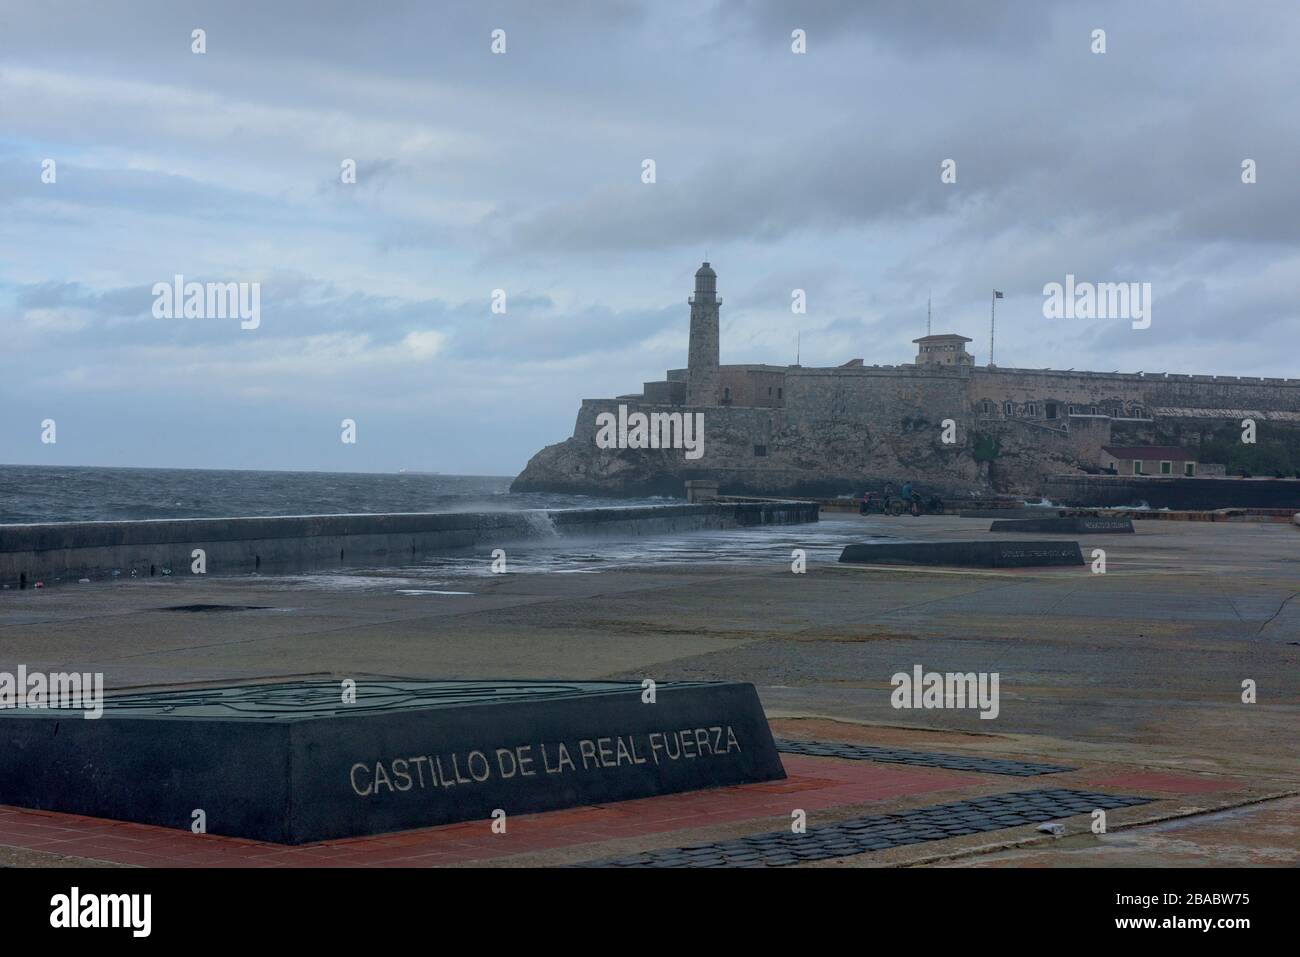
(523, 172)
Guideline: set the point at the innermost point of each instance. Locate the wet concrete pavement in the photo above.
(1138, 668)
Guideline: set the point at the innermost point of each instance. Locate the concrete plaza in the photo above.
(1132, 678)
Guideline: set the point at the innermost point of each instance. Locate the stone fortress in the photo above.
(792, 430)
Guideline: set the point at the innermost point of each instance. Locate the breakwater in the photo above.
(57, 552)
(1102, 491)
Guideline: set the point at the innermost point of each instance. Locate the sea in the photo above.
(37, 494)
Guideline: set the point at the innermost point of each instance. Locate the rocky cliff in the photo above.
(751, 451)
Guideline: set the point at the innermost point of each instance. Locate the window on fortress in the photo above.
(760, 451)
(987, 407)
(1008, 409)
(1137, 466)
(1031, 410)
(1189, 469)
(1166, 468)
(779, 392)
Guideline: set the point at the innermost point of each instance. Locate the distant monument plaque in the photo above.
(978, 553)
(291, 763)
(1069, 525)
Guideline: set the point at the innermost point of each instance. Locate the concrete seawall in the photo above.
(1101, 491)
(240, 546)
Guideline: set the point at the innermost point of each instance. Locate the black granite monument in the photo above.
(293, 763)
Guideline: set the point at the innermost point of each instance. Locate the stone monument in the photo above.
(294, 762)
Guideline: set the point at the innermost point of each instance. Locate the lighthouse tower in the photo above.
(702, 358)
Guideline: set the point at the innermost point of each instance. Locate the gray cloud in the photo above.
(522, 172)
(1009, 26)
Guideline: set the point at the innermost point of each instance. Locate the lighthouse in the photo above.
(702, 357)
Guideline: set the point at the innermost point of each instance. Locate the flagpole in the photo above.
(993, 316)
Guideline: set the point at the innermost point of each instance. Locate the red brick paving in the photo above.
(1140, 781)
(813, 784)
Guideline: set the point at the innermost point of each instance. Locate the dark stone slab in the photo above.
(926, 759)
(978, 554)
(291, 763)
(1107, 491)
(1073, 525)
(861, 835)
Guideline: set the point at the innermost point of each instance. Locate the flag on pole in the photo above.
(993, 311)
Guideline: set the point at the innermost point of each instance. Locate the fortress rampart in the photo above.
(800, 430)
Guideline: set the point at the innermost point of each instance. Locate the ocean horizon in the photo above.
(86, 493)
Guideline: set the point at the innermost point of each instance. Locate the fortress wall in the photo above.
(1224, 392)
(881, 393)
(665, 392)
(762, 388)
(730, 433)
(1082, 441)
(774, 429)
(1147, 390)
(1064, 388)
(882, 397)
(876, 398)
(733, 438)
(1086, 437)
(837, 425)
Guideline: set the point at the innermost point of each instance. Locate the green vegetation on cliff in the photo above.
(986, 447)
(1276, 450)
